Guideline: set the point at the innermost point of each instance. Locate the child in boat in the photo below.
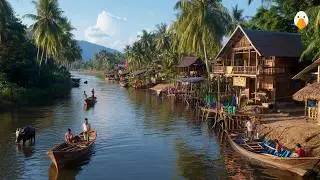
(68, 136)
(86, 129)
(299, 151)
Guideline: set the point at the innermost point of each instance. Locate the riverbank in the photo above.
(34, 96)
(291, 132)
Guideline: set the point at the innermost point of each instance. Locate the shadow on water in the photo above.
(71, 170)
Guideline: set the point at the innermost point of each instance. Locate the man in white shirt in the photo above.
(249, 126)
(86, 129)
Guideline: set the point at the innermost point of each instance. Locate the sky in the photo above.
(117, 23)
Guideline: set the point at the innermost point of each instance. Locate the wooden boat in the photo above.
(252, 151)
(67, 153)
(90, 102)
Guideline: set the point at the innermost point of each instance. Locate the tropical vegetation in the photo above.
(102, 61)
(23, 76)
(201, 25)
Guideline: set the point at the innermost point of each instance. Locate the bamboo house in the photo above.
(261, 63)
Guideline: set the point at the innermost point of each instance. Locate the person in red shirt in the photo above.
(300, 152)
(278, 146)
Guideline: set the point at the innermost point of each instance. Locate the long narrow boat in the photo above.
(90, 102)
(298, 165)
(66, 153)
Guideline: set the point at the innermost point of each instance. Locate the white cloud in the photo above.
(105, 31)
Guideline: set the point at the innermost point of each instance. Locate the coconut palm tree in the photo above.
(313, 36)
(200, 26)
(237, 17)
(48, 28)
(6, 15)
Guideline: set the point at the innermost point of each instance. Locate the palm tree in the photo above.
(200, 26)
(6, 15)
(48, 28)
(312, 49)
(237, 17)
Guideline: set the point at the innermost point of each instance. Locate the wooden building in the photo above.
(191, 66)
(310, 94)
(260, 62)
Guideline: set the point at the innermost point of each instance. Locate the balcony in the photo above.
(248, 70)
(251, 70)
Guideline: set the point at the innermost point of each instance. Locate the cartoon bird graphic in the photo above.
(301, 20)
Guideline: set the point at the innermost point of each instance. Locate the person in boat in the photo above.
(85, 94)
(249, 126)
(92, 91)
(278, 146)
(86, 129)
(68, 136)
(299, 151)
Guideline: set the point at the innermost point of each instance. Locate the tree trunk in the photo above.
(38, 52)
(205, 57)
(40, 63)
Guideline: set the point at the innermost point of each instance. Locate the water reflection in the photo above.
(28, 149)
(70, 171)
(193, 164)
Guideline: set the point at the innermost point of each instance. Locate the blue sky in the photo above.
(116, 23)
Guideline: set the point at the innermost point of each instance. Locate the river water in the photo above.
(140, 136)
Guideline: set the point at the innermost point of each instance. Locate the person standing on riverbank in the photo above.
(86, 129)
(249, 126)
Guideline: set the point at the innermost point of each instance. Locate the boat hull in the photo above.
(297, 165)
(62, 158)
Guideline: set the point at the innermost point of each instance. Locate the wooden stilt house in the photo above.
(260, 63)
(190, 66)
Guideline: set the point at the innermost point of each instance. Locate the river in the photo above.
(140, 136)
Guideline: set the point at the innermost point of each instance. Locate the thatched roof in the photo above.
(310, 91)
(306, 70)
(188, 61)
(267, 43)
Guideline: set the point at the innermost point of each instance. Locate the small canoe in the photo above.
(296, 165)
(67, 153)
(90, 102)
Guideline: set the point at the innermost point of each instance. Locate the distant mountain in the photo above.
(90, 49)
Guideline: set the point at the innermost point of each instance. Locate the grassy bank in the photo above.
(15, 96)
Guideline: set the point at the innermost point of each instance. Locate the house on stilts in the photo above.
(260, 63)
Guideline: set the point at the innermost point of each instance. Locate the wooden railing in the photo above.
(312, 113)
(247, 70)
(274, 70)
(244, 70)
